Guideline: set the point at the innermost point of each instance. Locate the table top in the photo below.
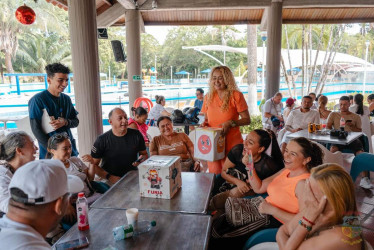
(193, 197)
(172, 231)
(326, 138)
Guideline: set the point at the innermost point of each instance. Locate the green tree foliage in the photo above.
(37, 50)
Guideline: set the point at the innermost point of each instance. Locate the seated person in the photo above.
(258, 142)
(39, 194)
(139, 122)
(370, 100)
(352, 122)
(117, 149)
(299, 119)
(59, 148)
(158, 110)
(16, 149)
(323, 111)
(285, 188)
(329, 211)
(290, 104)
(174, 144)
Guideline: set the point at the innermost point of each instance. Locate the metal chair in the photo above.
(362, 162)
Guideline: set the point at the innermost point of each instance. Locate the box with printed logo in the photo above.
(209, 144)
(160, 176)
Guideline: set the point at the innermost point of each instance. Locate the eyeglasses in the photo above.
(60, 136)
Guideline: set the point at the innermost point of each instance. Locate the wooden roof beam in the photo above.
(127, 4)
(327, 3)
(264, 19)
(110, 16)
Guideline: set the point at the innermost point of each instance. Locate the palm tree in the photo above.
(252, 68)
(48, 18)
(37, 50)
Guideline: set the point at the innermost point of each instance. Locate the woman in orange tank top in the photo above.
(225, 107)
(284, 188)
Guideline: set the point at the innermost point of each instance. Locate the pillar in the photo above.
(84, 50)
(273, 53)
(134, 65)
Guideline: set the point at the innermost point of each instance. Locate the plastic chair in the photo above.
(362, 162)
(329, 157)
(266, 235)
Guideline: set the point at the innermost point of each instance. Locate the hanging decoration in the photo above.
(25, 15)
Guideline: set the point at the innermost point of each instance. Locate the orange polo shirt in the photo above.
(216, 117)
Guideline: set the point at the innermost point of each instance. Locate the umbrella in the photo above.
(206, 71)
(182, 73)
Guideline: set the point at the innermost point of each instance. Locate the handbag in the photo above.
(241, 218)
(240, 211)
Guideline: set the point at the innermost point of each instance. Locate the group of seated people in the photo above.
(352, 115)
(306, 199)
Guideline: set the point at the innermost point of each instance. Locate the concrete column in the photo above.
(84, 50)
(273, 53)
(134, 64)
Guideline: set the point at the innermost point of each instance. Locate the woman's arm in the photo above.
(266, 208)
(259, 186)
(133, 125)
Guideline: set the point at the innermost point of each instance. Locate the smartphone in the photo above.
(138, 160)
(73, 244)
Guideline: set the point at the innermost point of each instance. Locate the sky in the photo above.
(159, 32)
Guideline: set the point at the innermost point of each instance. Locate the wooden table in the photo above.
(193, 197)
(326, 138)
(172, 230)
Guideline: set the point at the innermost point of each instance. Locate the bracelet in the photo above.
(308, 228)
(310, 222)
(107, 176)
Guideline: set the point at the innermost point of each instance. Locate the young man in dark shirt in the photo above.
(117, 149)
(58, 105)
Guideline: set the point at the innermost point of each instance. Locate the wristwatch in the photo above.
(232, 123)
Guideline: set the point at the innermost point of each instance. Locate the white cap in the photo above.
(43, 181)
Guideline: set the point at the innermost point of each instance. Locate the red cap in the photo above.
(80, 195)
(290, 101)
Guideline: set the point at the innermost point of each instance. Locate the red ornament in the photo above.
(25, 15)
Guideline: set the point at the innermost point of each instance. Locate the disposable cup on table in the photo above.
(132, 216)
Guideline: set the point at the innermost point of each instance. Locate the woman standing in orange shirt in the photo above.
(222, 107)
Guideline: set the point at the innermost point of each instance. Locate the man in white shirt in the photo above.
(272, 108)
(39, 197)
(299, 119)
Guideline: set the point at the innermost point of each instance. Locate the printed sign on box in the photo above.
(160, 176)
(209, 144)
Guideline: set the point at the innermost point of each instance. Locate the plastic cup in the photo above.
(132, 216)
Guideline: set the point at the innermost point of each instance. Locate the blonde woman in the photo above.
(330, 217)
(323, 112)
(224, 106)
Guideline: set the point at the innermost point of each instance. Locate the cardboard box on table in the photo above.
(209, 144)
(160, 176)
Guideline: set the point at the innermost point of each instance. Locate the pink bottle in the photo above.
(82, 212)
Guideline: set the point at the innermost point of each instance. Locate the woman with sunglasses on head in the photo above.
(16, 149)
(59, 148)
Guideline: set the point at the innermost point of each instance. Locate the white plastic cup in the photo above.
(132, 216)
